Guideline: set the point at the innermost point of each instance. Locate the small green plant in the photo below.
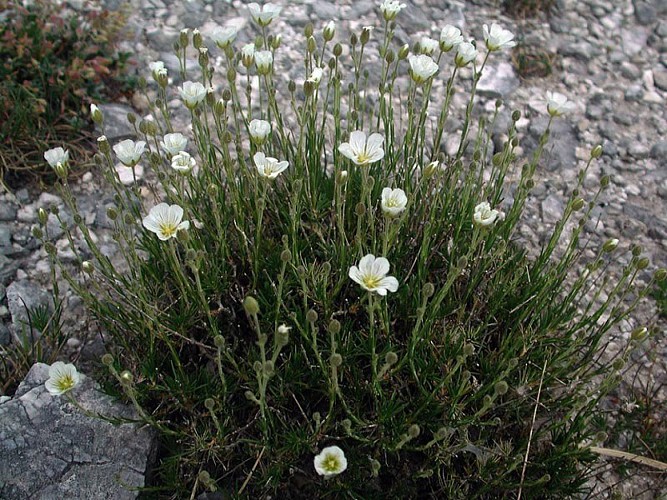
(53, 65)
(659, 293)
(320, 303)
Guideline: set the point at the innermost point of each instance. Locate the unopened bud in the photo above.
(468, 350)
(334, 327)
(251, 306)
(428, 290)
(107, 359)
(43, 216)
(639, 334)
(578, 204)
(87, 267)
(391, 358)
(516, 115)
(126, 377)
(336, 360)
(311, 316)
(338, 50)
(37, 233)
(365, 34)
(329, 31)
(596, 152)
(414, 431)
(643, 263)
(500, 388)
(219, 341)
(285, 256)
(610, 245)
(112, 214)
(209, 403)
(360, 209)
(660, 275)
(604, 181)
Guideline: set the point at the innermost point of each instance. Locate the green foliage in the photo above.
(243, 340)
(54, 64)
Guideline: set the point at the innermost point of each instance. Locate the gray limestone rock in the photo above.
(50, 449)
(559, 153)
(24, 296)
(116, 126)
(498, 81)
(8, 268)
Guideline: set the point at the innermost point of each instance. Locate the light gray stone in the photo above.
(50, 449)
(498, 81)
(24, 296)
(116, 126)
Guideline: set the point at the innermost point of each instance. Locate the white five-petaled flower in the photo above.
(391, 8)
(362, 150)
(165, 221)
(62, 378)
(372, 275)
(428, 45)
(174, 143)
(269, 167)
(129, 152)
(557, 104)
(316, 76)
(265, 14)
(450, 37)
(484, 216)
(330, 462)
(422, 67)
(264, 61)
(393, 201)
(192, 93)
(259, 130)
(223, 37)
(56, 156)
(465, 53)
(498, 38)
(183, 162)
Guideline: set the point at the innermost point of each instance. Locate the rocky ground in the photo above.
(608, 56)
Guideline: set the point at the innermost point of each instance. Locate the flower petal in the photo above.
(380, 267)
(389, 283)
(358, 141)
(366, 264)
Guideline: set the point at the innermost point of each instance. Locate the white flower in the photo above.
(393, 201)
(372, 275)
(129, 152)
(56, 156)
(330, 462)
(248, 54)
(158, 70)
(265, 14)
(165, 221)
(174, 143)
(183, 162)
(428, 45)
(259, 130)
(284, 328)
(62, 378)
(557, 104)
(484, 216)
(264, 61)
(498, 38)
(450, 37)
(192, 93)
(269, 167)
(465, 53)
(316, 76)
(390, 9)
(223, 37)
(422, 67)
(362, 150)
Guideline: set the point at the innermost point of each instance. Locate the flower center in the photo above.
(167, 229)
(65, 383)
(392, 202)
(331, 464)
(363, 157)
(371, 282)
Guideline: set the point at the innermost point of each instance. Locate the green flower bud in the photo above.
(639, 333)
(618, 364)
(375, 467)
(403, 52)
(365, 34)
(126, 377)
(334, 327)
(604, 181)
(468, 350)
(37, 233)
(269, 368)
(311, 45)
(257, 366)
(360, 209)
(500, 388)
(516, 115)
(414, 431)
(336, 360)
(183, 38)
(87, 267)
(391, 358)
(643, 263)
(578, 204)
(428, 290)
(107, 359)
(251, 306)
(610, 245)
(596, 152)
(131, 118)
(308, 30)
(347, 425)
(660, 275)
(311, 316)
(42, 216)
(209, 403)
(285, 256)
(219, 341)
(637, 250)
(462, 263)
